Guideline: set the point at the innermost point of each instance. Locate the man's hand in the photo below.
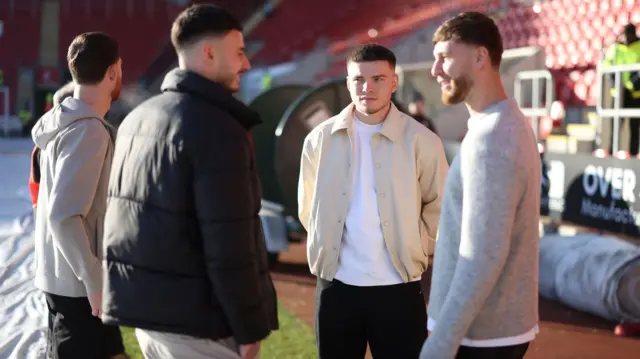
(95, 300)
(249, 351)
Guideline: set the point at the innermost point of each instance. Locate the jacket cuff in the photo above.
(253, 328)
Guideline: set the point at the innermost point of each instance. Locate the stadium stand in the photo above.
(345, 23)
(138, 48)
(573, 34)
(18, 43)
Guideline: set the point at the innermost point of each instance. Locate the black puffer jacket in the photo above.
(184, 248)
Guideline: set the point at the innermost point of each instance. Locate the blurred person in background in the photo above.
(76, 146)
(369, 194)
(186, 260)
(626, 52)
(416, 110)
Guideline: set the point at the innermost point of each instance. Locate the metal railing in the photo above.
(536, 110)
(617, 112)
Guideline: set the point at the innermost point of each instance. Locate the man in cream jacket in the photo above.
(369, 195)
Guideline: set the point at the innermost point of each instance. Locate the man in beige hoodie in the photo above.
(76, 147)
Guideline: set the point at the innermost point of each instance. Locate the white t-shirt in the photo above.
(364, 259)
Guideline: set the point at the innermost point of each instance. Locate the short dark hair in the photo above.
(372, 52)
(90, 55)
(62, 93)
(473, 28)
(629, 30)
(201, 20)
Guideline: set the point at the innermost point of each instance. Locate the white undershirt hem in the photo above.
(496, 342)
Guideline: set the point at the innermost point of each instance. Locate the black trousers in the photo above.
(75, 333)
(510, 352)
(392, 319)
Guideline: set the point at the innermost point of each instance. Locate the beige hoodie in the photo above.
(76, 151)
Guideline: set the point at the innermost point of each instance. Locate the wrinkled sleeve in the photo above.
(81, 152)
(306, 183)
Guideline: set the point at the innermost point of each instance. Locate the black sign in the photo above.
(601, 193)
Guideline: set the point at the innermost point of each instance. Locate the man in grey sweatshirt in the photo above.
(76, 147)
(484, 291)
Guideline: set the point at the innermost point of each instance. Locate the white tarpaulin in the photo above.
(584, 272)
(23, 318)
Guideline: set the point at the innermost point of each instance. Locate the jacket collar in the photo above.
(391, 126)
(184, 81)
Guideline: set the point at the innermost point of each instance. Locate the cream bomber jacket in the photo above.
(410, 171)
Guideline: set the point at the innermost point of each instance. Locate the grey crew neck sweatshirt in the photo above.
(485, 272)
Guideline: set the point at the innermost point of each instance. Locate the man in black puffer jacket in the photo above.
(184, 247)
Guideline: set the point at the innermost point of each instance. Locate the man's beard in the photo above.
(228, 81)
(458, 92)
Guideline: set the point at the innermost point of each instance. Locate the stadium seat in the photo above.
(634, 16)
(581, 91)
(590, 76)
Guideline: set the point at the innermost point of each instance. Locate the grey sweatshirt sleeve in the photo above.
(491, 191)
(81, 152)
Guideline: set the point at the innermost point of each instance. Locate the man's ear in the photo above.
(112, 72)
(208, 51)
(395, 83)
(482, 57)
